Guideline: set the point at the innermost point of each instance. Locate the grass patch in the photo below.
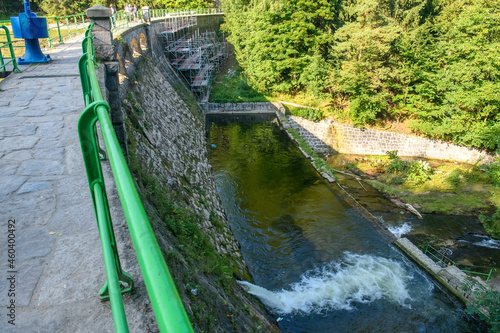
(306, 113)
(318, 161)
(235, 88)
(448, 188)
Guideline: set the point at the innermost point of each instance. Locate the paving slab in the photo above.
(58, 268)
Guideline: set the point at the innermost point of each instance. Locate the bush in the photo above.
(397, 181)
(484, 299)
(419, 172)
(454, 178)
(309, 114)
(396, 164)
(493, 173)
(492, 224)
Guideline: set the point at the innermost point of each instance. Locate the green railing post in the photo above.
(59, 31)
(165, 300)
(12, 60)
(67, 24)
(50, 36)
(76, 24)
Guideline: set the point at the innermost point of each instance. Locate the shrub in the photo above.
(419, 172)
(492, 224)
(454, 178)
(396, 164)
(309, 114)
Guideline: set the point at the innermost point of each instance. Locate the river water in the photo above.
(315, 261)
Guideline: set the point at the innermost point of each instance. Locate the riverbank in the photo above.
(469, 288)
(455, 226)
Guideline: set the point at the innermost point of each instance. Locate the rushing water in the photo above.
(316, 262)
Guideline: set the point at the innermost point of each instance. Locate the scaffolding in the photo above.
(197, 56)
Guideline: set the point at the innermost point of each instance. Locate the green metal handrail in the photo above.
(12, 57)
(167, 306)
(447, 261)
(8, 44)
(60, 28)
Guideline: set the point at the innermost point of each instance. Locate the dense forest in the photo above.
(434, 64)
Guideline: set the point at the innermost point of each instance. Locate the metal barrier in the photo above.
(8, 44)
(167, 306)
(120, 20)
(65, 27)
(59, 28)
(442, 257)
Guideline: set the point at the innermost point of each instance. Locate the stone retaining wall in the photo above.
(166, 140)
(318, 135)
(347, 139)
(232, 107)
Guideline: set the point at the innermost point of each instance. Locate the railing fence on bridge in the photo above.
(10, 57)
(61, 28)
(165, 300)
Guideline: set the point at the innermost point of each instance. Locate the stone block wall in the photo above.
(318, 135)
(347, 139)
(235, 107)
(353, 140)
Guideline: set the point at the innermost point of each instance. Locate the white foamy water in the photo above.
(485, 241)
(401, 230)
(356, 278)
(491, 243)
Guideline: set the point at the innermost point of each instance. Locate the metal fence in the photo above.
(167, 306)
(442, 256)
(61, 28)
(6, 44)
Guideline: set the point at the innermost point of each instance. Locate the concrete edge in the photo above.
(424, 262)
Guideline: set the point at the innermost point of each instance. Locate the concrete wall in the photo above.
(450, 277)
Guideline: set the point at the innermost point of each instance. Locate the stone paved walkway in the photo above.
(58, 260)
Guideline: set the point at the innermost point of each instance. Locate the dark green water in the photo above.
(316, 263)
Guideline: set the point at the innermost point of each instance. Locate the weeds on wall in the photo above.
(318, 161)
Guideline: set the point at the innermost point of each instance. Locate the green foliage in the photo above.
(235, 88)
(419, 172)
(485, 303)
(307, 113)
(455, 94)
(454, 178)
(68, 7)
(13, 8)
(396, 165)
(433, 62)
(492, 171)
(492, 224)
(281, 44)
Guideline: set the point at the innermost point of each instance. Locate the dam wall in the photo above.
(161, 128)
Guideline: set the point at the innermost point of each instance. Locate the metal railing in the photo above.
(442, 257)
(60, 28)
(167, 306)
(120, 20)
(11, 57)
(64, 27)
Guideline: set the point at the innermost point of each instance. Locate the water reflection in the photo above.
(314, 259)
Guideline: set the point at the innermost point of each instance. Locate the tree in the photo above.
(366, 61)
(277, 41)
(457, 94)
